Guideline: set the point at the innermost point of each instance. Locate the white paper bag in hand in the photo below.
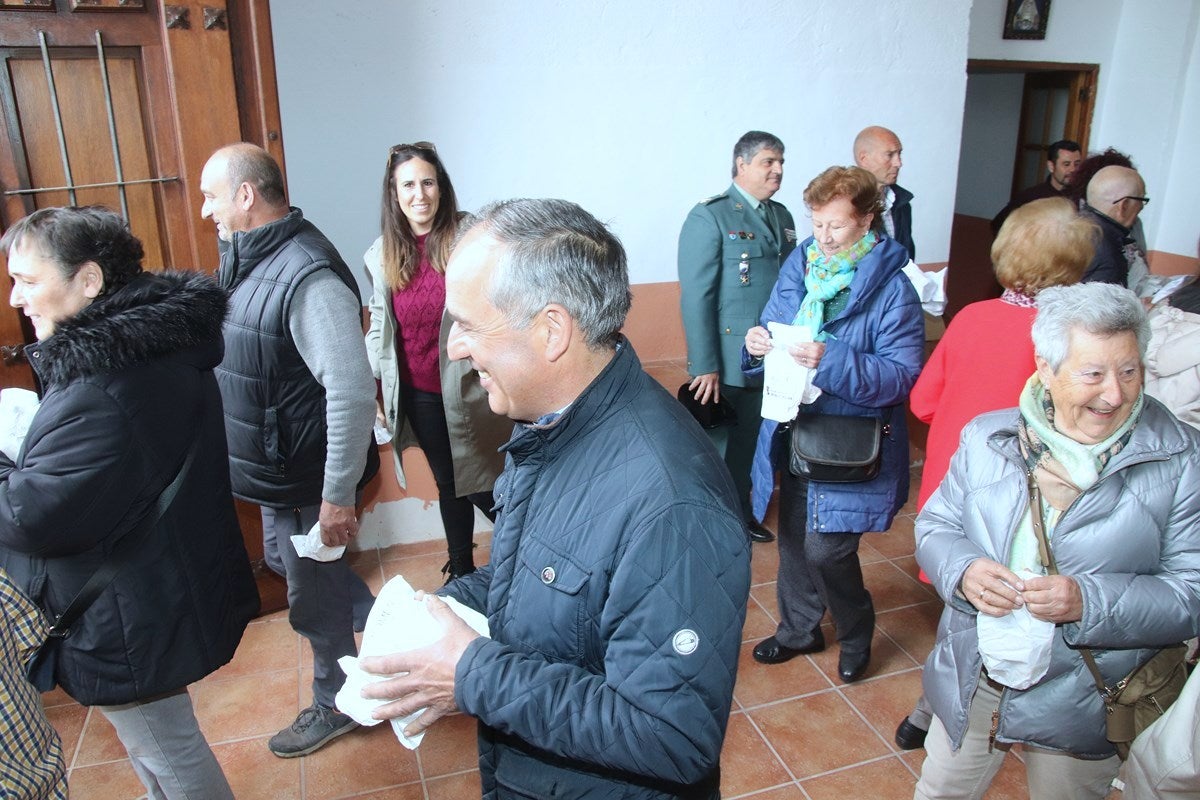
(397, 622)
(786, 384)
(17, 407)
(1015, 648)
(311, 546)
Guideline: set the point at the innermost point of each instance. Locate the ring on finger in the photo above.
(982, 592)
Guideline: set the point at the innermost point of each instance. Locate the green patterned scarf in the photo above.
(824, 277)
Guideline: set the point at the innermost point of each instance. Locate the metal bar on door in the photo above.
(58, 126)
(112, 126)
(106, 184)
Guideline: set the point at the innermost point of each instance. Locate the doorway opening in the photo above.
(1013, 111)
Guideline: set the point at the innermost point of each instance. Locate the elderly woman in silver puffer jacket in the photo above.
(1118, 475)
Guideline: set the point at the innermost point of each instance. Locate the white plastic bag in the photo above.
(1015, 648)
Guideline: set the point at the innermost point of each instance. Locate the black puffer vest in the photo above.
(274, 407)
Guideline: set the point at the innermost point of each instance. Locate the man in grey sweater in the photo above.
(299, 407)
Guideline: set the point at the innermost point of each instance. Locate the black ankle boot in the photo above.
(457, 567)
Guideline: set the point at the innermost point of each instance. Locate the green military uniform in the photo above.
(729, 259)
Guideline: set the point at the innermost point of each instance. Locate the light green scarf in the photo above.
(824, 277)
(1063, 467)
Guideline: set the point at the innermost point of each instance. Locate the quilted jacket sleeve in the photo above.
(884, 376)
(76, 479)
(1125, 609)
(944, 550)
(671, 631)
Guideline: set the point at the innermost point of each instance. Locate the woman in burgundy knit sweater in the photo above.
(986, 355)
(428, 400)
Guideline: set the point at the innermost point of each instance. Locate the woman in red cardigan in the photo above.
(986, 355)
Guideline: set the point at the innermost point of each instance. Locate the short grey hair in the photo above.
(751, 142)
(1101, 309)
(555, 252)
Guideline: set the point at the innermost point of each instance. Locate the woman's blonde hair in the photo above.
(1043, 243)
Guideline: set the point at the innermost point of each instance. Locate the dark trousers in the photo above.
(360, 593)
(818, 570)
(736, 443)
(427, 416)
(318, 595)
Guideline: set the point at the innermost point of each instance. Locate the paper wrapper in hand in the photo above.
(310, 546)
(1016, 647)
(397, 622)
(17, 407)
(786, 384)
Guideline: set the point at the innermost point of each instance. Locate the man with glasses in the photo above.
(299, 407)
(1115, 198)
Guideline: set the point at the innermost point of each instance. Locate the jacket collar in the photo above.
(603, 396)
(240, 256)
(1157, 436)
(750, 217)
(903, 196)
(155, 315)
(1108, 225)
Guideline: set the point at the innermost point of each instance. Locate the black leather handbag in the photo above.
(829, 448)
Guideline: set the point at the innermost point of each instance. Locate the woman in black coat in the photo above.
(125, 360)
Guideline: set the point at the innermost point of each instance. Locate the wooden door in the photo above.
(1055, 104)
(120, 103)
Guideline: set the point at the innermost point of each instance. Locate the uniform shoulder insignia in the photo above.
(708, 200)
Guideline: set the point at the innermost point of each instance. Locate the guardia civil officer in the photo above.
(730, 250)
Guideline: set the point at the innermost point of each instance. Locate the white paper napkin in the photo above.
(397, 622)
(786, 384)
(310, 546)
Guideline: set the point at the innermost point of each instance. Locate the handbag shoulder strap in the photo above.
(117, 559)
(1047, 558)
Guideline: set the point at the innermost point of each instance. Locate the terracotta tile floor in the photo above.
(796, 731)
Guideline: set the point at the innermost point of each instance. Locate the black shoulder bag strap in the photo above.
(117, 559)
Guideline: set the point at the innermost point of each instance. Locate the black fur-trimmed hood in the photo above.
(155, 315)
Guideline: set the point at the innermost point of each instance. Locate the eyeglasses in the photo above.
(396, 149)
(1145, 201)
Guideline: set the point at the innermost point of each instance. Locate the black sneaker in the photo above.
(315, 726)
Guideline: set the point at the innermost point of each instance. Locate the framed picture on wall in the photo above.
(1026, 19)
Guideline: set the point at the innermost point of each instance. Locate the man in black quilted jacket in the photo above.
(620, 565)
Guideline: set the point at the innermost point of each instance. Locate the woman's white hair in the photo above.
(1101, 309)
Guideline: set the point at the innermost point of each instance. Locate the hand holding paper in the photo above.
(409, 652)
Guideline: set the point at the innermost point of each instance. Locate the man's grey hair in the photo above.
(1101, 309)
(555, 252)
(751, 142)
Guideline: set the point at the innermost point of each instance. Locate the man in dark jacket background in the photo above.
(619, 571)
(878, 151)
(1115, 198)
(299, 407)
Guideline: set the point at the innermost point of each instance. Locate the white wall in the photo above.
(1148, 102)
(629, 108)
(989, 138)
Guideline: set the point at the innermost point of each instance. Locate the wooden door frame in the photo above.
(1081, 103)
(242, 105)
